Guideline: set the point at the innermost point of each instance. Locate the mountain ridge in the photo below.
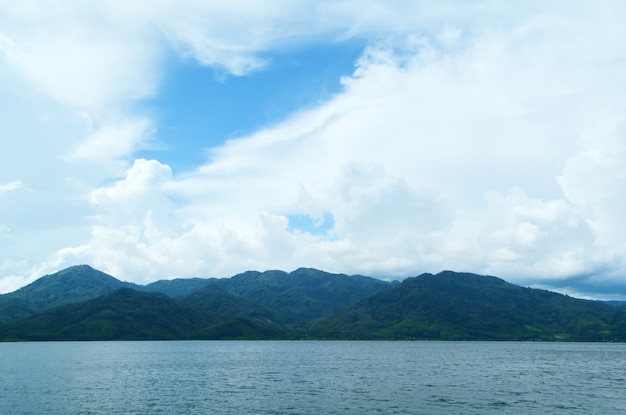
(305, 304)
(465, 306)
(303, 294)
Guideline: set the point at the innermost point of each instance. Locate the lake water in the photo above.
(312, 377)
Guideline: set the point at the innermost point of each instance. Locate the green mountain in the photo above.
(177, 287)
(296, 298)
(304, 294)
(126, 314)
(217, 300)
(615, 303)
(80, 303)
(455, 306)
(74, 284)
(15, 309)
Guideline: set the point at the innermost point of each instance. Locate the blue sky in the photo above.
(170, 139)
(199, 107)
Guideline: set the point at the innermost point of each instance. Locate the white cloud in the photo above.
(417, 158)
(9, 282)
(8, 187)
(140, 194)
(534, 238)
(114, 140)
(479, 136)
(595, 179)
(77, 54)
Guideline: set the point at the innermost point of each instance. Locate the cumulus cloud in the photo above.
(429, 159)
(595, 179)
(435, 157)
(479, 137)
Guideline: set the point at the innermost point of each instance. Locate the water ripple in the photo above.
(289, 378)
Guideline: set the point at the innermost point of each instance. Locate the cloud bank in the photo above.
(486, 138)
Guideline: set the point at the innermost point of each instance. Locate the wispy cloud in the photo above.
(8, 187)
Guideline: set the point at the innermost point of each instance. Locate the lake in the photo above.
(312, 377)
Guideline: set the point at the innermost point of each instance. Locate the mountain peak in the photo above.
(73, 284)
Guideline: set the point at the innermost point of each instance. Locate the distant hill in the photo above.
(457, 306)
(81, 303)
(74, 284)
(126, 314)
(615, 303)
(177, 287)
(304, 294)
(296, 298)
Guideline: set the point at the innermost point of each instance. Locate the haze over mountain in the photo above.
(304, 304)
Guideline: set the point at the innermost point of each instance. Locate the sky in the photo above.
(198, 138)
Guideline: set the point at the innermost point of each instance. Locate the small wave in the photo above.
(499, 403)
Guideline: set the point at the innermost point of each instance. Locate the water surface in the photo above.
(312, 377)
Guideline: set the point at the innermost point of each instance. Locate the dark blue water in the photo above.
(282, 377)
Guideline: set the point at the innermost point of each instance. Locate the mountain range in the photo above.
(82, 303)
